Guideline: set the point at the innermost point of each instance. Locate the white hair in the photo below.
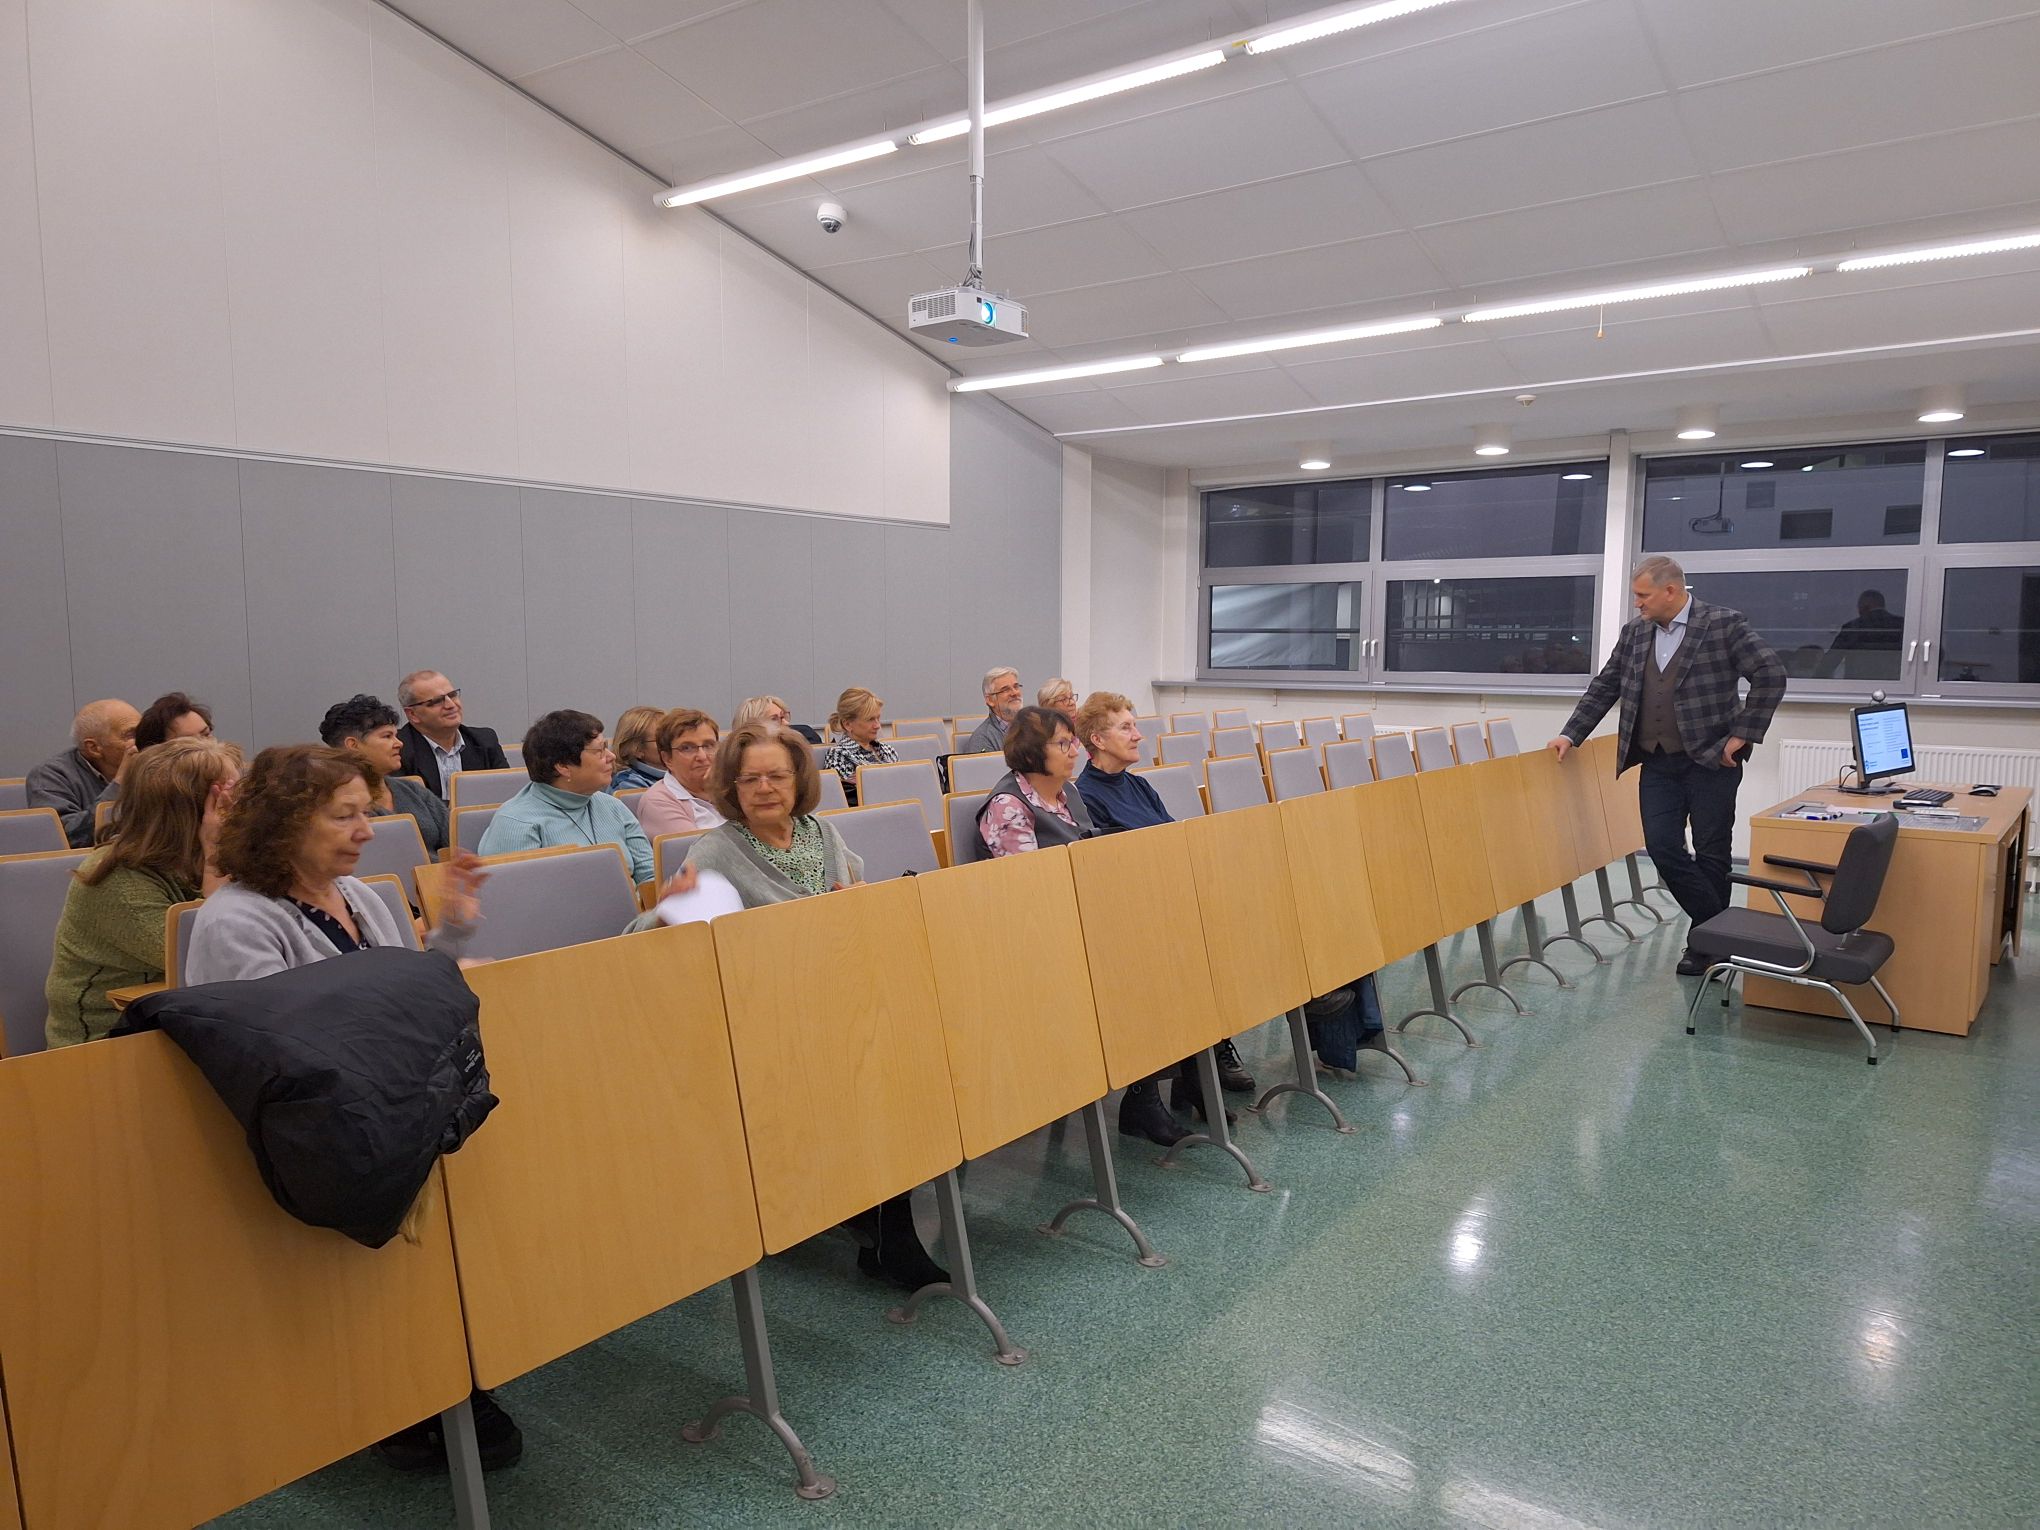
(1660, 571)
(994, 676)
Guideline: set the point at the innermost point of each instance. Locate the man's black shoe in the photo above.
(422, 1447)
(1691, 965)
(1233, 1077)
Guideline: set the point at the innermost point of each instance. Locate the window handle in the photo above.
(1926, 650)
(1911, 649)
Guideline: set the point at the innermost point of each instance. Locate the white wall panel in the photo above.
(1127, 557)
(153, 580)
(845, 429)
(673, 398)
(460, 594)
(443, 230)
(24, 331)
(919, 625)
(128, 179)
(765, 377)
(918, 430)
(566, 282)
(320, 560)
(1005, 552)
(297, 147)
(35, 677)
(680, 559)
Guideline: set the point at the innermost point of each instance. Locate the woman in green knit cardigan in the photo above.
(158, 853)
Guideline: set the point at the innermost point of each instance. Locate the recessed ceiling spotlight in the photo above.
(1491, 441)
(1967, 451)
(1313, 464)
(1576, 477)
(1759, 463)
(1941, 406)
(1415, 488)
(1698, 422)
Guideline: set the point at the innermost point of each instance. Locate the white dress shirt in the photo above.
(1670, 635)
(449, 764)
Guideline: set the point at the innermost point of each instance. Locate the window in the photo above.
(1285, 626)
(1907, 567)
(1507, 626)
(1536, 512)
(1287, 524)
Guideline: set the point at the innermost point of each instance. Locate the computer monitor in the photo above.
(1883, 739)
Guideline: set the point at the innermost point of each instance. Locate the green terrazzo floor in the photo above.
(1595, 1273)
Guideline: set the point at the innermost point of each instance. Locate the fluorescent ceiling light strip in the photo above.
(1338, 21)
(1034, 106)
(1636, 294)
(1942, 252)
(1052, 374)
(786, 170)
(1308, 337)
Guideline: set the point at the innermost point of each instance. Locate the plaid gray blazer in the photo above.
(1724, 649)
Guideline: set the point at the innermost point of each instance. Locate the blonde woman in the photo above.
(854, 726)
(1058, 695)
(165, 829)
(637, 755)
(773, 712)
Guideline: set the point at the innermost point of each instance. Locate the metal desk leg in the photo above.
(1306, 1075)
(1106, 1182)
(1440, 1005)
(1636, 881)
(1215, 1132)
(1533, 935)
(760, 1398)
(1607, 893)
(464, 1465)
(1572, 929)
(1574, 918)
(1636, 899)
(962, 1283)
(1490, 968)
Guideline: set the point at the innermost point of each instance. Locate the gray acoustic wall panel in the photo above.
(460, 594)
(271, 590)
(35, 649)
(153, 578)
(322, 597)
(580, 627)
(680, 558)
(1005, 548)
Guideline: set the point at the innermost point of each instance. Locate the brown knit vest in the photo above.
(1657, 724)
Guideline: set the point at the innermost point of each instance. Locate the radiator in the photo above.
(1804, 763)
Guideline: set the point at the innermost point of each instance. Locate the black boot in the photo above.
(1188, 1093)
(422, 1447)
(1233, 1076)
(899, 1256)
(1142, 1114)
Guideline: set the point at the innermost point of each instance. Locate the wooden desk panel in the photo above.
(10, 1503)
(175, 1344)
(1620, 809)
(1399, 864)
(1581, 778)
(1334, 890)
(841, 1062)
(1458, 847)
(1144, 945)
(1548, 817)
(1522, 862)
(1240, 866)
(1944, 903)
(613, 1179)
(1021, 1054)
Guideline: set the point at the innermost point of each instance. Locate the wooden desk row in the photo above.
(674, 1106)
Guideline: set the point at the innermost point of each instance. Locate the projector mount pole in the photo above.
(974, 65)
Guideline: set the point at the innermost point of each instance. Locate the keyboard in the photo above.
(1925, 796)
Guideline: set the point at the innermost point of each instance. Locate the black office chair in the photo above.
(1837, 950)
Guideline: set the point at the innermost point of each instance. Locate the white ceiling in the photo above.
(1484, 151)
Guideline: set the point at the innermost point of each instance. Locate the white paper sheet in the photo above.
(715, 894)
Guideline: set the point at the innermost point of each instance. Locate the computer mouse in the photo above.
(1983, 791)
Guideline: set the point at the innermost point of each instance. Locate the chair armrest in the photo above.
(1798, 865)
(1811, 889)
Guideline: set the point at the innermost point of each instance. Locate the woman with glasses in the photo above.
(774, 849)
(1032, 804)
(685, 741)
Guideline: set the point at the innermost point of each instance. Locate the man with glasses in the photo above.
(437, 746)
(1002, 705)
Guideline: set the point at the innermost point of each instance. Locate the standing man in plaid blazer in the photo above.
(1676, 669)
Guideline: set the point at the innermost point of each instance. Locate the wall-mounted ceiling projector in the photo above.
(966, 315)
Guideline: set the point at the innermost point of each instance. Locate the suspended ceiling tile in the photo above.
(1179, 394)
(1509, 249)
(625, 101)
(701, 156)
(1726, 38)
(1636, 344)
(870, 112)
(1615, 149)
(628, 20)
(1938, 310)
(1316, 207)
(513, 37)
(1357, 276)
(1155, 309)
(1409, 373)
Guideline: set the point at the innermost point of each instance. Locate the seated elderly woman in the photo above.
(637, 757)
(568, 802)
(1058, 695)
(770, 709)
(160, 853)
(774, 849)
(288, 848)
(1031, 804)
(685, 741)
(368, 726)
(856, 721)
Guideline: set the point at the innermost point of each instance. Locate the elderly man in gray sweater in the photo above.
(102, 738)
(1002, 704)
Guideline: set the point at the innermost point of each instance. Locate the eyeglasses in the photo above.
(435, 701)
(1007, 690)
(707, 748)
(764, 778)
(1066, 742)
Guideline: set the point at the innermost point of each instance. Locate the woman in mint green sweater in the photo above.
(159, 853)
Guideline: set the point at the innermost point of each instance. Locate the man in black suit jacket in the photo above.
(434, 734)
(1677, 670)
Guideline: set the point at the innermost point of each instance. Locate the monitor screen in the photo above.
(1883, 741)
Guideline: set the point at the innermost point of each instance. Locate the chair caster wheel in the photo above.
(1689, 1030)
(1873, 1062)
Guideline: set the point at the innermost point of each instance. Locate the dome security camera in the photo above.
(831, 216)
